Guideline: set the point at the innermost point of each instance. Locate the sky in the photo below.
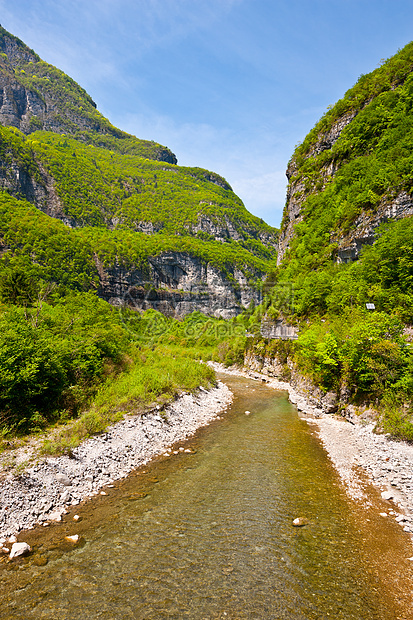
(228, 85)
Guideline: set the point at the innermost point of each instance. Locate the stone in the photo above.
(300, 521)
(5, 550)
(63, 479)
(12, 539)
(387, 495)
(384, 514)
(77, 518)
(55, 516)
(247, 412)
(65, 496)
(19, 549)
(73, 539)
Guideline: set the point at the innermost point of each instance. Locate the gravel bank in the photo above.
(354, 449)
(42, 493)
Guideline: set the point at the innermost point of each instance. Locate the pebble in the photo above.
(63, 479)
(300, 521)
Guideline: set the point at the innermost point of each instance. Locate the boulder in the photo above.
(19, 549)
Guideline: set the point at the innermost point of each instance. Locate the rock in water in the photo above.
(387, 495)
(19, 549)
(300, 521)
(73, 539)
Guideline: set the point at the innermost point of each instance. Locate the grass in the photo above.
(157, 376)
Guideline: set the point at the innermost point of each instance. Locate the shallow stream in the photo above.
(209, 535)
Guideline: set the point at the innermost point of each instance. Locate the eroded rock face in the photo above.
(224, 230)
(365, 226)
(177, 284)
(297, 192)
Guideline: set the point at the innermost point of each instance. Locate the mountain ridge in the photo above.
(61, 155)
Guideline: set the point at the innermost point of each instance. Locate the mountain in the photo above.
(344, 280)
(150, 233)
(353, 171)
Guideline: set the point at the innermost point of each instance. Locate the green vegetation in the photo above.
(342, 346)
(120, 190)
(77, 357)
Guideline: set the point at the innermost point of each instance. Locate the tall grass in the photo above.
(157, 376)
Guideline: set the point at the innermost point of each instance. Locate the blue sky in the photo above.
(228, 85)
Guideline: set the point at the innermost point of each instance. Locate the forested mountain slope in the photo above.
(143, 220)
(346, 251)
(353, 171)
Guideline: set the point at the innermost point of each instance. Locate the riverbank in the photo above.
(357, 453)
(44, 491)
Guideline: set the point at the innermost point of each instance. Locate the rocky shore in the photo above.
(357, 453)
(48, 487)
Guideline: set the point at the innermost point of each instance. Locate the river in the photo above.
(209, 535)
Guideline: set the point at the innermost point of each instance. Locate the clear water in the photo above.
(209, 535)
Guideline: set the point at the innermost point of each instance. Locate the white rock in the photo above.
(12, 539)
(387, 495)
(76, 518)
(55, 516)
(63, 479)
(5, 550)
(247, 412)
(19, 549)
(73, 539)
(103, 493)
(383, 514)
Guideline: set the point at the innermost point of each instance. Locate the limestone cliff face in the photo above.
(352, 172)
(226, 229)
(176, 284)
(31, 182)
(298, 190)
(365, 226)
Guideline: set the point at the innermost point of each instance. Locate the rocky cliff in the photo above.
(176, 284)
(351, 173)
